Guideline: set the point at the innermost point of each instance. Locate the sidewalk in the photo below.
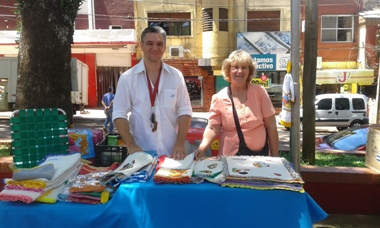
(85, 118)
(5, 114)
(88, 115)
(81, 118)
(92, 113)
(98, 113)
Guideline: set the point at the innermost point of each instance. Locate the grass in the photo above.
(322, 159)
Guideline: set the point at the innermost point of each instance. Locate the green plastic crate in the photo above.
(37, 133)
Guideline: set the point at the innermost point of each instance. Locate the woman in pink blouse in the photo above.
(254, 109)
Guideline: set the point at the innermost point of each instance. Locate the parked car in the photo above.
(275, 94)
(350, 140)
(339, 110)
(195, 135)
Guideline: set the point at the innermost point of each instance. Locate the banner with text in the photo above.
(271, 50)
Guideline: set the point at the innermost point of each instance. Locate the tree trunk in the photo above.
(44, 76)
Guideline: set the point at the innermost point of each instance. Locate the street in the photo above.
(94, 119)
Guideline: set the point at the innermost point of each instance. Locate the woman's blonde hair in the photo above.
(238, 57)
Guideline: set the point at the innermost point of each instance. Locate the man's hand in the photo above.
(179, 151)
(133, 149)
(122, 126)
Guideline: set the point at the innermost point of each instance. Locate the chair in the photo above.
(36, 133)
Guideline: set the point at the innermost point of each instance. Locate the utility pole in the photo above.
(295, 59)
(377, 96)
(309, 80)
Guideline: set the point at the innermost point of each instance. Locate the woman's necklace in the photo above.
(240, 98)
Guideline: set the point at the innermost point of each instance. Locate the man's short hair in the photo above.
(153, 29)
(110, 89)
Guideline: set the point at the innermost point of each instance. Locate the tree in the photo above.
(46, 35)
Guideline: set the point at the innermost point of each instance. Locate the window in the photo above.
(207, 19)
(115, 27)
(324, 104)
(175, 24)
(194, 87)
(223, 19)
(358, 104)
(342, 104)
(263, 21)
(337, 28)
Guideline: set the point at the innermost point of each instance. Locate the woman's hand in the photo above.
(198, 154)
(208, 136)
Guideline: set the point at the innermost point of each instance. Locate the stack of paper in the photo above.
(260, 172)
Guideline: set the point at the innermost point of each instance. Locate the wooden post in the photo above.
(309, 80)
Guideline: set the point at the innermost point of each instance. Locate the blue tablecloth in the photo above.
(169, 205)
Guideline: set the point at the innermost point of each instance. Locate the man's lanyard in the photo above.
(152, 96)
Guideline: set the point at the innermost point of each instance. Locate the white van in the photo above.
(340, 110)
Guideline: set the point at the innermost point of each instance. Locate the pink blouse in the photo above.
(251, 117)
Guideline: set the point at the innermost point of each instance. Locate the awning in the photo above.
(344, 76)
(106, 36)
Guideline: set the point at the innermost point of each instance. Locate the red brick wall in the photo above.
(190, 68)
(109, 12)
(8, 20)
(334, 52)
(343, 190)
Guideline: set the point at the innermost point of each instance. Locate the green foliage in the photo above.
(5, 150)
(323, 159)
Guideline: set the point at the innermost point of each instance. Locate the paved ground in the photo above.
(349, 221)
(94, 119)
(91, 119)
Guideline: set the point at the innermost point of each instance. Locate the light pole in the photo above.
(295, 59)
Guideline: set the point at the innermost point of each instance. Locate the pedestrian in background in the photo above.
(157, 99)
(107, 102)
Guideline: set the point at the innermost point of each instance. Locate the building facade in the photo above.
(347, 60)
(202, 33)
(104, 39)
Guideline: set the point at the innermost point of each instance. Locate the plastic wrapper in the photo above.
(87, 189)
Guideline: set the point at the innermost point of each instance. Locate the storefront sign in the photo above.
(282, 61)
(267, 83)
(277, 42)
(265, 62)
(345, 76)
(269, 49)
